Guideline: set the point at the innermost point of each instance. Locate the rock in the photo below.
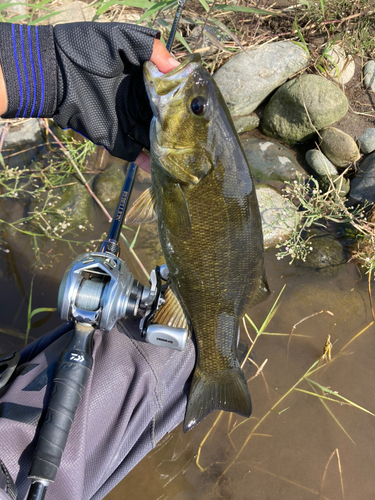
(326, 172)
(362, 187)
(249, 77)
(339, 147)
(341, 66)
(75, 206)
(279, 215)
(16, 8)
(367, 141)
(108, 185)
(326, 257)
(341, 184)
(21, 132)
(245, 123)
(369, 75)
(270, 161)
(285, 115)
(71, 12)
(319, 163)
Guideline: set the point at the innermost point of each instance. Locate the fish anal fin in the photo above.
(262, 292)
(225, 390)
(175, 212)
(171, 313)
(143, 209)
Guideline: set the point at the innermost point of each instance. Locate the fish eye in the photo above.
(198, 104)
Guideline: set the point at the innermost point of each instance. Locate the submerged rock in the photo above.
(339, 147)
(75, 206)
(279, 216)
(367, 141)
(326, 257)
(108, 185)
(362, 187)
(285, 116)
(369, 75)
(249, 77)
(270, 161)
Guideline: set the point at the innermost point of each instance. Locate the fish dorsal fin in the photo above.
(262, 292)
(143, 209)
(175, 211)
(171, 314)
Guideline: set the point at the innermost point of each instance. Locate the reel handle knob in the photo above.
(166, 336)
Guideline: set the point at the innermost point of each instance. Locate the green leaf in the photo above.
(156, 7)
(248, 10)
(141, 4)
(135, 237)
(41, 310)
(205, 5)
(181, 39)
(13, 332)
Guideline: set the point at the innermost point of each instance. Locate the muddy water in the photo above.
(295, 446)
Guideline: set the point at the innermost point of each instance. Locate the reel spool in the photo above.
(98, 289)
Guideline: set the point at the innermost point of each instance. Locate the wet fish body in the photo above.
(209, 227)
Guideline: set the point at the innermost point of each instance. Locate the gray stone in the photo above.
(249, 77)
(16, 8)
(367, 141)
(279, 215)
(362, 187)
(285, 115)
(270, 161)
(339, 147)
(21, 132)
(319, 163)
(369, 75)
(341, 67)
(245, 123)
(327, 255)
(108, 185)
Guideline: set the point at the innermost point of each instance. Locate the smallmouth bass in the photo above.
(209, 225)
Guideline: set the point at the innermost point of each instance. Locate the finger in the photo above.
(143, 161)
(162, 58)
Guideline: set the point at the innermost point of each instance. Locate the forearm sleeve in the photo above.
(27, 56)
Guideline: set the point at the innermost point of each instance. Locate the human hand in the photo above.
(87, 76)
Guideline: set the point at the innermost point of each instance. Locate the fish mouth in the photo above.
(159, 84)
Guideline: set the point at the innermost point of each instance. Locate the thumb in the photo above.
(162, 58)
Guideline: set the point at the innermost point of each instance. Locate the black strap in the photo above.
(11, 489)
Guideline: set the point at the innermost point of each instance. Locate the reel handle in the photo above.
(73, 370)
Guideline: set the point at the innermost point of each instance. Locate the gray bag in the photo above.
(136, 393)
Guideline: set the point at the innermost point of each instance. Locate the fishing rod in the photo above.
(96, 291)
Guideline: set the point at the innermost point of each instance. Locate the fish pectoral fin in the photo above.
(171, 314)
(262, 292)
(175, 212)
(143, 209)
(226, 390)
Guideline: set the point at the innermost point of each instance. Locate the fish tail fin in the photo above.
(226, 390)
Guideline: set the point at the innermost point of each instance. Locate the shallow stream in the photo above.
(296, 445)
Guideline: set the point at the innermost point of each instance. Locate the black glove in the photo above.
(87, 76)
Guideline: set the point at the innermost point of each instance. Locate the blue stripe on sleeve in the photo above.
(25, 68)
(33, 68)
(18, 69)
(41, 71)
